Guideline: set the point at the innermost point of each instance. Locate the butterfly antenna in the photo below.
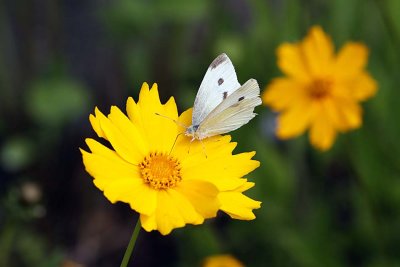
(177, 122)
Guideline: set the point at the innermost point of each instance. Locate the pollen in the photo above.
(320, 88)
(160, 171)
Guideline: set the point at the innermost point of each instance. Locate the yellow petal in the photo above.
(167, 214)
(351, 60)
(246, 186)
(144, 91)
(186, 117)
(134, 114)
(241, 164)
(214, 174)
(118, 189)
(322, 132)
(129, 130)
(173, 211)
(238, 206)
(199, 150)
(224, 260)
(95, 121)
(296, 120)
(124, 145)
(291, 61)
(142, 198)
(185, 207)
(119, 180)
(150, 106)
(220, 168)
(318, 52)
(202, 195)
(363, 86)
(105, 163)
(149, 223)
(283, 93)
(345, 114)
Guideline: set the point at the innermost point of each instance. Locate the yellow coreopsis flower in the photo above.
(321, 90)
(224, 260)
(167, 179)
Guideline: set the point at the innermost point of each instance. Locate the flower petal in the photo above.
(186, 117)
(166, 217)
(296, 120)
(351, 60)
(222, 260)
(185, 207)
(238, 206)
(291, 61)
(150, 106)
(318, 52)
(130, 131)
(241, 164)
(363, 86)
(174, 210)
(220, 167)
(134, 115)
(119, 180)
(322, 132)
(95, 122)
(123, 144)
(141, 198)
(345, 114)
(283, 93)
(202, 195)
(105, 165)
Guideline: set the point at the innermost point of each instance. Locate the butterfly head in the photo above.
(192, 131)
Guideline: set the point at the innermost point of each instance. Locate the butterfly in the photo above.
(222, 104)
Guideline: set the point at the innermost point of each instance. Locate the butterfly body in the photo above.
(222, 104)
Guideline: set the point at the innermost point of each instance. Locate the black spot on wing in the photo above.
(237, 103)
(220, 81)
(221, 58)
(224, 95)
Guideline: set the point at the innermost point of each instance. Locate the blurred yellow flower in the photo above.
(224, 260)
(169, 184)
(321, 90)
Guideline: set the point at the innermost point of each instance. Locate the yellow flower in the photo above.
(321, 90)
(224, 260)
(170, 184)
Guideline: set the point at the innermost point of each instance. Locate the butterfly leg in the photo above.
(204, 148)
(190, 143)
(173, 145)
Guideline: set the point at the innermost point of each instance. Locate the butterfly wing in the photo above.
(235, 111)
(219, 82)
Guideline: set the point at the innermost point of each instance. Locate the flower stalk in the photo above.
(131, 245)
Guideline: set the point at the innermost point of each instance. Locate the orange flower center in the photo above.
(160, 171)
(320, 88)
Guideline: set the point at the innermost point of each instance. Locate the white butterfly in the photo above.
(222, 104)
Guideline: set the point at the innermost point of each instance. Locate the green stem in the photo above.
(131, 245)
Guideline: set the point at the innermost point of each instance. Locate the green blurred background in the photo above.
(60, 59)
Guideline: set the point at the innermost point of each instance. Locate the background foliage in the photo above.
(58, 59)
